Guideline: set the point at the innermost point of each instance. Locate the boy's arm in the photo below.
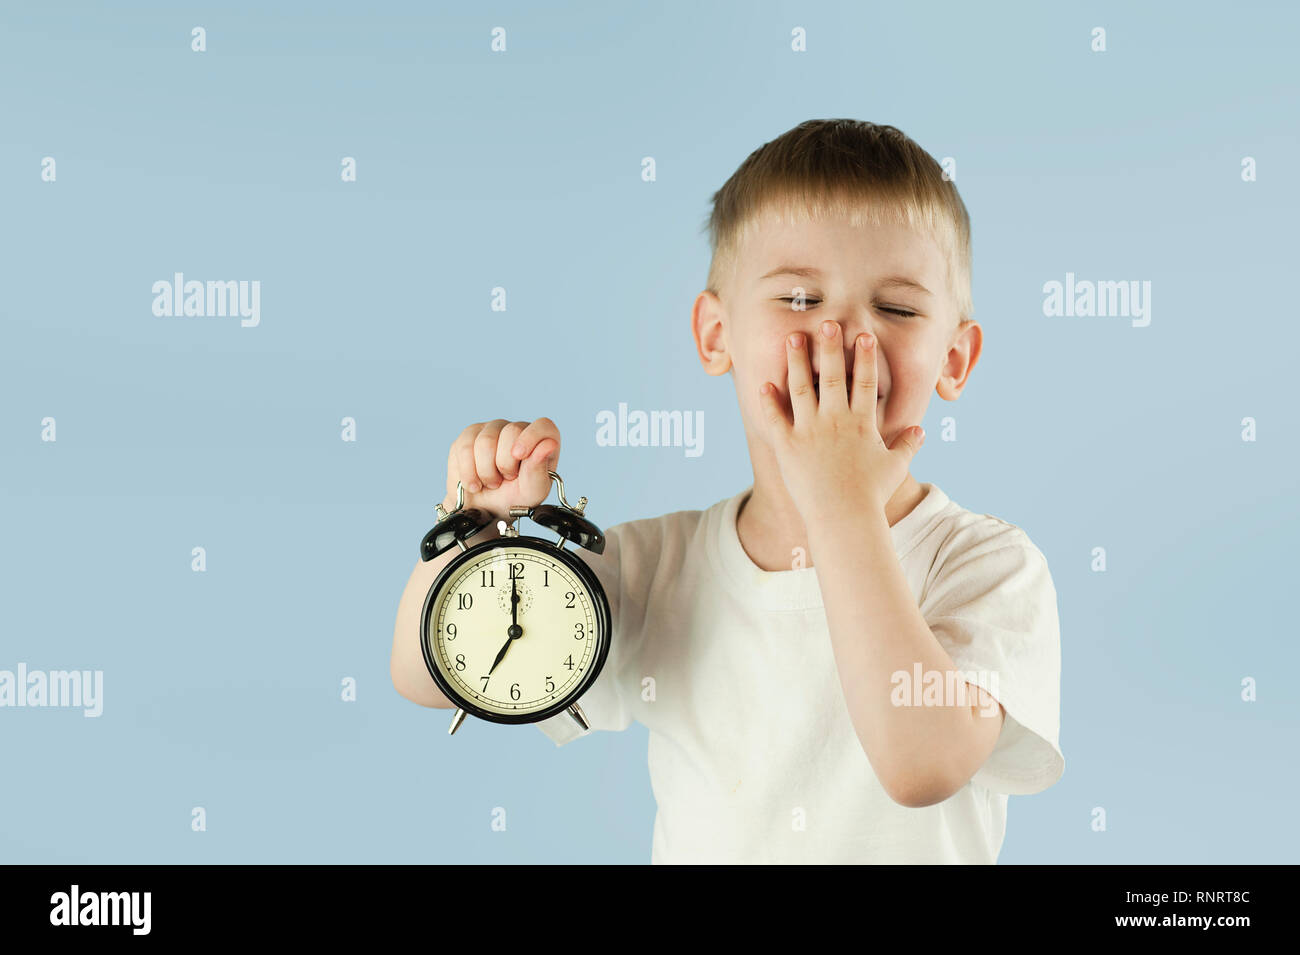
(409, 672)
(921, 754)
(500, 464)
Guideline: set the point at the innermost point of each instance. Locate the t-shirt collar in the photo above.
(798, 589)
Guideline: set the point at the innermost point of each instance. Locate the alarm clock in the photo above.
(515, 629)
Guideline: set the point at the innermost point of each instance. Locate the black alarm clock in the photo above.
(516, 628)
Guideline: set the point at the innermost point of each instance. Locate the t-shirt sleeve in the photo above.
(992, 605)
(603, 702)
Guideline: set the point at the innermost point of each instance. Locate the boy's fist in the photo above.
(503, 464)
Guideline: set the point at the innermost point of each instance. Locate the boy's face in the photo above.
(851, 279)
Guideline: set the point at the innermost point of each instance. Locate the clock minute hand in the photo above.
(514, 603)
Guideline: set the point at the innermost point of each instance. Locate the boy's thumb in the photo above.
(911, 439)
(542, 456)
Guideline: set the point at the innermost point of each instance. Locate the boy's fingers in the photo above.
(802, 399)
(465, 471)
(529, 438)
(463, 455)
(455, 461)
(541, 456)
(831, 374)
(772, 410)
(485, 453)
(864, 375)
(506, 462)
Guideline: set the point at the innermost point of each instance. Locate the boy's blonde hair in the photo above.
(844, 167)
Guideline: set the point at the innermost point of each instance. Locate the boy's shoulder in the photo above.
(670, 521)
(967, 528)
(654, 534)
(666, 545)
(963, 538)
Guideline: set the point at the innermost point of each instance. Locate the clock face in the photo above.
(515, 630)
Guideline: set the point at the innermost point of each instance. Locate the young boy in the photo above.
(838, 663)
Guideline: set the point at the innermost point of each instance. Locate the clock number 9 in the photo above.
(451, 631)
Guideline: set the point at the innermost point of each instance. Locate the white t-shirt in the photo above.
(753, 757)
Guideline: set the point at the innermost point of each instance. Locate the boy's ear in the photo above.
(708, 325)
(963, 354)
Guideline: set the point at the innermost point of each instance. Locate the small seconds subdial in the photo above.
(514, 631)
(506, 592)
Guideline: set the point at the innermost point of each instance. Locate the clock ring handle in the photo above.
(582, 501)
(555, 478)
(460, 502)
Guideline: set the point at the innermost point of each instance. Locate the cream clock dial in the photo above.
(514, 631)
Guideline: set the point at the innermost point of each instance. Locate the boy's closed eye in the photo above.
(809, 302)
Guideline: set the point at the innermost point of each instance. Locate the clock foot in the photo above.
(580, 717)
(456, 721)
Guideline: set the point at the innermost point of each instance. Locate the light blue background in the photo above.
(523, 170)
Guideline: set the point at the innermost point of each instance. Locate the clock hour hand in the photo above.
(501, 655)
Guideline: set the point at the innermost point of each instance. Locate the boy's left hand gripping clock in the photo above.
(516, 628)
